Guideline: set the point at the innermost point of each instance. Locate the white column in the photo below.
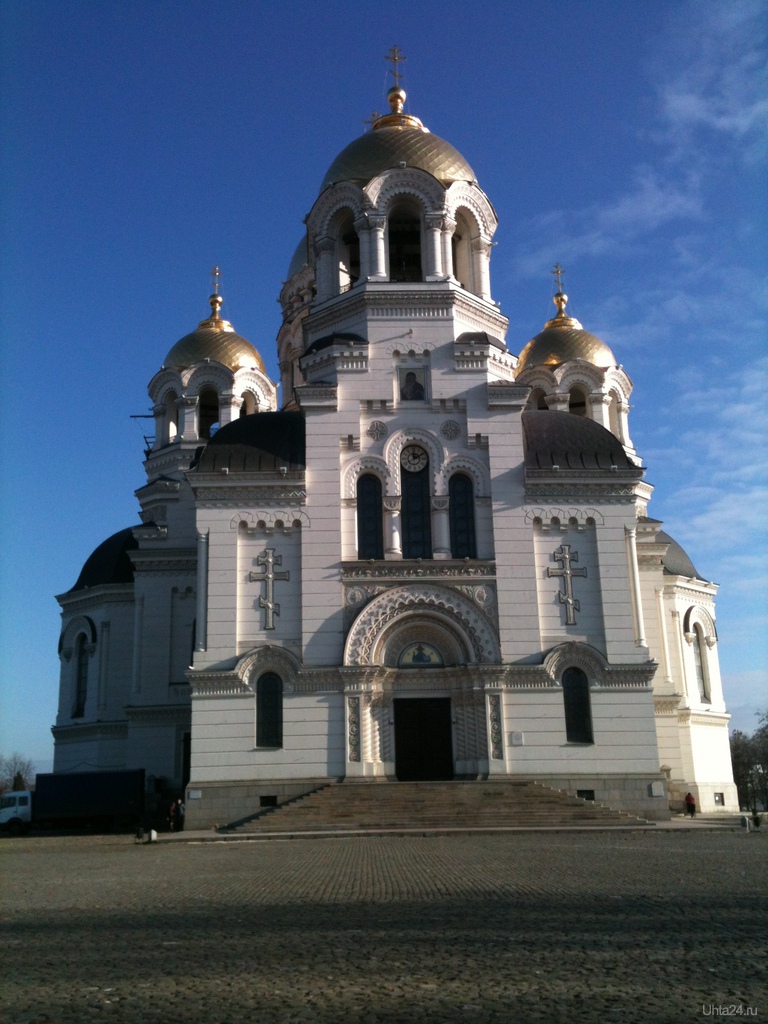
(630, 534)
(378, 259)
(324, 248)
(622, 414)
(663, 631)
(188, 417)
(138, 629)
(449, 226)
(101, 700)
(364, 237)
(201, 624)
(161, 427)
(481, 251)
(441, 528)
(599, 405)
(434, 268)
(678, 627)
(229, 408)
(393, 545)
(558, 403)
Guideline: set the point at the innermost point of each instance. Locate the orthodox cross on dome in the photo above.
(395, 57)
(563, 554)
(215, 275)
(268, 560)
(557, 272)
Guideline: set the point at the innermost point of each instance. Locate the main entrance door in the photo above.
(423, 742)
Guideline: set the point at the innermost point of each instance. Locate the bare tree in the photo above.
(749, 757)
(16, 772)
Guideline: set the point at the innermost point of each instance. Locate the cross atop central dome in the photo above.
(397, 139)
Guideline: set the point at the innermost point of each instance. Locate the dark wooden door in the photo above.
(423, 739)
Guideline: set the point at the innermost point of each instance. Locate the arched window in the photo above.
(578, 712)
(699, 660)
(250, 405)
(416, 514)
(577, 402)
(81, 678)
(462, 516)
(461, 247)
(208, 413)
(537, 399)
(171, 417)
(404, 224)
(370, 542)
(613, 415)
(269, 711)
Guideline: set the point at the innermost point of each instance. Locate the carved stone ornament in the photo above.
(353, 727)
(428, 602)
(494, 715)
(450, 430)
(377, 430)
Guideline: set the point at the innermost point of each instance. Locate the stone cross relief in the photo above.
(268, 560)
(563, 554)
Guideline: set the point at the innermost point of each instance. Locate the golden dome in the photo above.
(562, 340)
(215, 341)
(397, 138)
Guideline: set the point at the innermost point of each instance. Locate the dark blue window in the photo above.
(416, 514)
(369, 525)
(578, 712)
(269, 711)
(462, 516)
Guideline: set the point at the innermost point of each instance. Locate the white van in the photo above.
(16, 811)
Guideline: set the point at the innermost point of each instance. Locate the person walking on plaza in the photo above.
(179, 815)
(690, 804)
(172, 817)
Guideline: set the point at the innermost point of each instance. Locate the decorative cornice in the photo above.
(158, 714)
(89, 731)
(427, 570)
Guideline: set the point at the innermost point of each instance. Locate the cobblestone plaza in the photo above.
(662, 926)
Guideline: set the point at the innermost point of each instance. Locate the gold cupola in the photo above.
(397, 139)
(215, 340)
(563, 340)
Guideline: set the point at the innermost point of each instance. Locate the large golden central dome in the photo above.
(396, 139)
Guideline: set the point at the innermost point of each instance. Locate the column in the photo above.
(188, 417)
(393, 545)
(481, 251)
(630, 534)
(434, 267)
(557, 402)
(441, 528)
(622, 414)
(599, 405)
(229, 408)
(324, 248)
(364, 236)
(138, 629)
(201, 624)
(663, 630)
(378, 261)
(449, 226)
(161, 427)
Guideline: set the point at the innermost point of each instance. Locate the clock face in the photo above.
(413, 458)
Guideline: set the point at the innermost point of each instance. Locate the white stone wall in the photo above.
(224, 747)
(581, 541)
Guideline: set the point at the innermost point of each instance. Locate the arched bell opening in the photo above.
(404, 242)
(461, 247)
(537, 400)
(250, 405)
(207, 413)
(347, 253)
(577, 401)
(171, 418)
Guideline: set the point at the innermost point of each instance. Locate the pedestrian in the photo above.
(179, 816)
(172, 816)
(690, 804)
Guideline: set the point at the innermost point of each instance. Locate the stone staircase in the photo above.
(431, 806)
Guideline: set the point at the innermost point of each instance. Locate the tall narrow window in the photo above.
(370, 542)
(416, 512)
(578, 713)
(462, 516)
(269, 711)
(208, 413)
(701, 672)
(405, 245)
(81, 679)
(577, 402)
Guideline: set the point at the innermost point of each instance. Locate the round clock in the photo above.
(413, 458)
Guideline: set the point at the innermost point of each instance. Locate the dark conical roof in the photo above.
(109, 563)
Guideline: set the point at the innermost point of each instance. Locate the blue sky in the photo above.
(144, 142)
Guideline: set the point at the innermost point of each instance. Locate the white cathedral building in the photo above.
(432, 560)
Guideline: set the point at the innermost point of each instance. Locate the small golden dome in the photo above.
(563, 340)
(215, 341)
(397, 139)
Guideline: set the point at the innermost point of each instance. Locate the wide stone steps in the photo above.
(361, 806)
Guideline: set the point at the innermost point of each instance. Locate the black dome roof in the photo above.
(572, 443)
(676, 561)
(109, 563)
(261, 442)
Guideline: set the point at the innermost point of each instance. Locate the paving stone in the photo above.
(642, 928)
